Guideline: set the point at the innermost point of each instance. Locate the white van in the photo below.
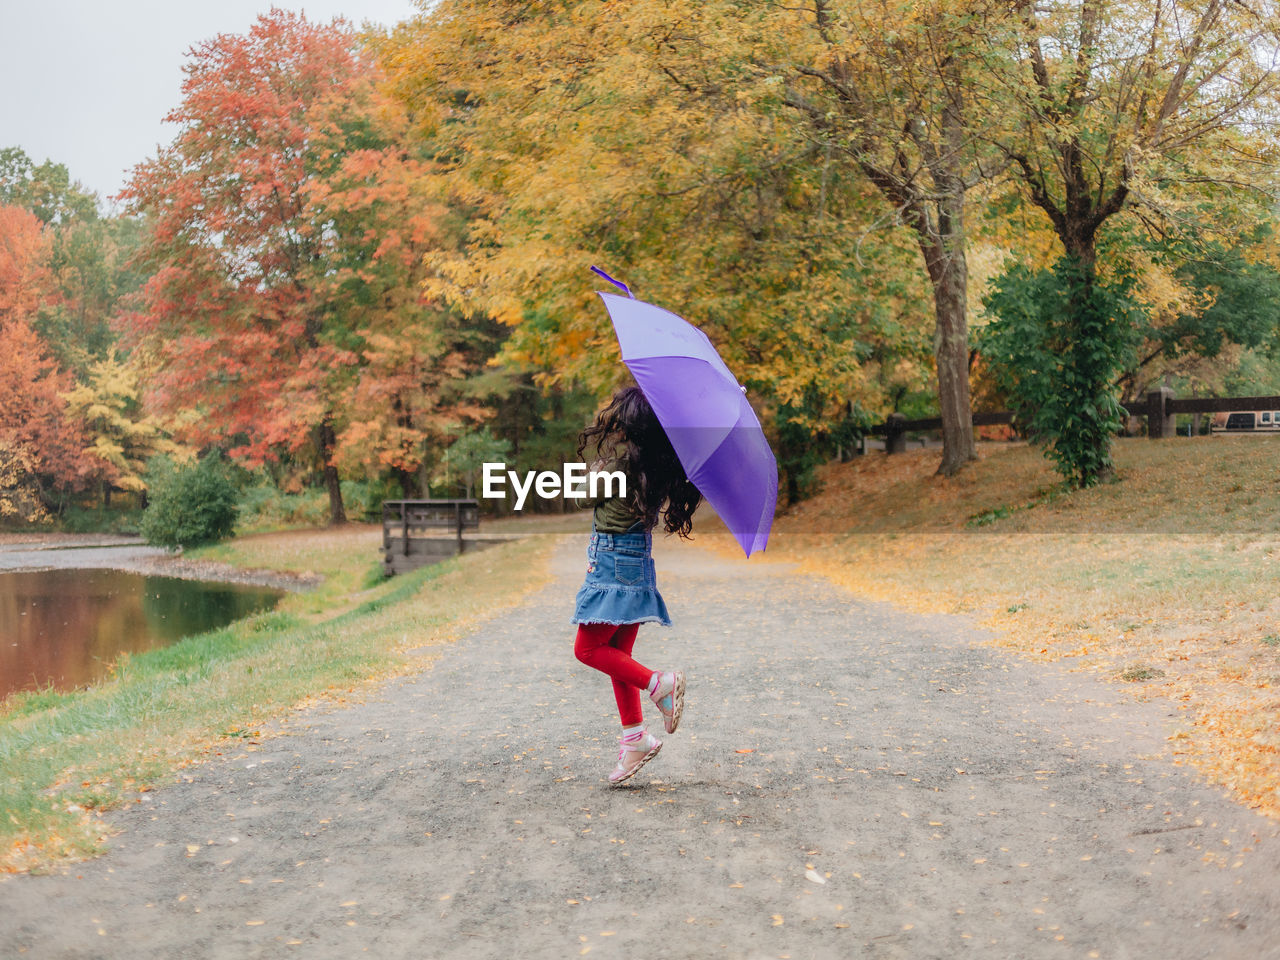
(1247, 421)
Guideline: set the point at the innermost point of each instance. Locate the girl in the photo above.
(621, 591)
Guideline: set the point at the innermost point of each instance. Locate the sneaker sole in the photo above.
(677, 704)
(636, 769)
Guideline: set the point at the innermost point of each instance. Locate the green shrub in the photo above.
(122, 519)
(363, 498)
(264, 506)
(803, 443)
(189, 504)
(1058, 340)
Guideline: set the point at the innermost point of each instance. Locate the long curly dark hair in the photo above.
(628, 428)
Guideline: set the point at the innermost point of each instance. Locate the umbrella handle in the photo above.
(617, 283)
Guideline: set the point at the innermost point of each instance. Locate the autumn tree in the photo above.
(889, 90)
(36, 433)
(284, 313)
(87, 261)
(637, 136)
(65, 274)
(20, 498)
(1161, 112)
(412, 390)
(1205, 299)
(231, 324)
(45, 189)
(120, 437)
(25, 279)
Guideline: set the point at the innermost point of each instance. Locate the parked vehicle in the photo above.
(1247, 421)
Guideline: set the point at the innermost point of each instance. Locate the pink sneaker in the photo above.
(669, 698)
(634, 756)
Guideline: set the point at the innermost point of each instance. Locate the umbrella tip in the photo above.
(617, 283)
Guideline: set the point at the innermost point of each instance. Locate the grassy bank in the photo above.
(64, 757)
(1167, 581)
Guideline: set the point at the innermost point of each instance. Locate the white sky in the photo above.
(86, 83)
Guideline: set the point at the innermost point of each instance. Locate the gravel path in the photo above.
(849, 781)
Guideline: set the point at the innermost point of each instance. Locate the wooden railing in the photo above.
(1160, 407)
(402, 519)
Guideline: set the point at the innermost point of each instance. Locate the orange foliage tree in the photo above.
(286, 237)
(411, 391)
(25, 279)
(39, 440)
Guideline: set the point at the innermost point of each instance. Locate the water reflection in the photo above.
(67, 627)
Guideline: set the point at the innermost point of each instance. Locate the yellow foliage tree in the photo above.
(1163, 110)
(644, 138)
(19, 486)
(120, 437)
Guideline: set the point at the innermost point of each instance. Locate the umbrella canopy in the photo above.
(704, 412)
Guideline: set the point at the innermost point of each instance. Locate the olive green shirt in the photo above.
(614, 514)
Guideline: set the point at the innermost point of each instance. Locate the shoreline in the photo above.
(28, 553)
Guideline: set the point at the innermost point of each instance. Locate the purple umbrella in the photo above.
(704, 412)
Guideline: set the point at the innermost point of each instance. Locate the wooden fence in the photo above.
(404, 520)
(1160, 408)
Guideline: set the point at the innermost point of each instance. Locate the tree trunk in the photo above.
(337, 514)
(949, 273)
(950, 276)
(951, 350)
(1079, 239)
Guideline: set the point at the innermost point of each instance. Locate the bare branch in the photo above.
(1173, 95)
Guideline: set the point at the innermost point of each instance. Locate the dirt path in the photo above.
(908, 793)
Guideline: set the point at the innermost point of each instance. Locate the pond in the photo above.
(67, 627)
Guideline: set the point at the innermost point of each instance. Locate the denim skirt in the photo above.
(621, 584)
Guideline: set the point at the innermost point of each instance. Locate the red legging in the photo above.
(607, 648)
